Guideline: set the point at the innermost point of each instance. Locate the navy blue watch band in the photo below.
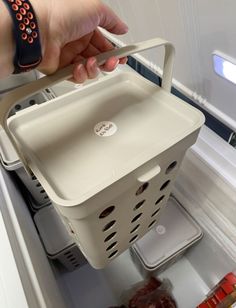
(28, 54)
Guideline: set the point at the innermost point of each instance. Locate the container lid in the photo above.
(175, 232)
(52, 230)
(82, 142)
(8, 155)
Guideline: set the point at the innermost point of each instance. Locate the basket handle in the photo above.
(18, 94)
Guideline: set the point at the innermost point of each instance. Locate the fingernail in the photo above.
(117, 62)
(80, 67)
(95, 66)
(126, 28)
(81, 73)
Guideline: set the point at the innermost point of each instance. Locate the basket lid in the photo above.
(82, 142)
(175, 232)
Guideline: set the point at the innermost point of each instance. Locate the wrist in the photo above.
(18, 53)
(7, 44)
(42, 13)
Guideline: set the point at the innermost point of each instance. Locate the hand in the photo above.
(69, 30)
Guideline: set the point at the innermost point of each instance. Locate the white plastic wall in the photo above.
(196, 28)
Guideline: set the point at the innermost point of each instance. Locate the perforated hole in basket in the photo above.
(111, 246)
(107, 212)
(32, 102)
(135, 229)
(113, 254)
(109, 225)
(136, 217)
(142, 188)
(165, 185)
(155, 213)
(171, 167)
(133, 238)
(67, 253)
(18, 107)
(160, 199)
(110, 236)
(139, 205)
(152, 224)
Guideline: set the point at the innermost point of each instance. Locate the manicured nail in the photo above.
(117, 62)
(95, 66)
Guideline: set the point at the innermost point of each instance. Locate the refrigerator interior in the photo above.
(46, 285)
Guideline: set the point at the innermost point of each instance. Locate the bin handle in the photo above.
(23, 92)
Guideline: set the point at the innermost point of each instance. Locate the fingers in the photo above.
(90, 70)
(98, 44)
(80, 75)
(111, 22)
(110, 64)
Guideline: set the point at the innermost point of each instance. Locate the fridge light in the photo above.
(224, 66)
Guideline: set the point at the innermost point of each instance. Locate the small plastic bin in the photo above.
(10, 160)
(175, 232)
(58, 243)
(8, 156)
(108, 154)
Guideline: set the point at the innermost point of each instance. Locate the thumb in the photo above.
(110, 21)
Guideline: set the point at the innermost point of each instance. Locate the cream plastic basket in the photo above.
(108, 154)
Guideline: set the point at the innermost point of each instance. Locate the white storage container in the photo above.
(108, 154)
(8, 156)
(10, 160)
(59, 245)
(175, 232)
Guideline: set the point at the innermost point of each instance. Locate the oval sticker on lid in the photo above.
(105, 129)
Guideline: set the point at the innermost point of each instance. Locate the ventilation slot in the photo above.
(160, 199)
(171, 167)
(136, 217)
(32, 102)
(109, 225)
(138, 205)
(155, 212)
(111, 246)
(133, 239)
(135, 229)
(107, 212)
(113, 254)
(165, 185)
(18, 107)
(109, 237)
(142, 188)
(152, 223)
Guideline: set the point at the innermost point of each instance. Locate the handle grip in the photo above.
(11, 99)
